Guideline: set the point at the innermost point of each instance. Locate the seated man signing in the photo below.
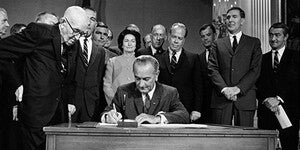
(146, 100)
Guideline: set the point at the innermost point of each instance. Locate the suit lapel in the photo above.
(242, 43)
(284, 62)
(167, 61)
(156, 98)
(93, 55)
(228, 45)
(181, 59)
(57, 47)
(138, 101)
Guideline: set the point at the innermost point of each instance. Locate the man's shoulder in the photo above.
(42, 30)
(166, 88)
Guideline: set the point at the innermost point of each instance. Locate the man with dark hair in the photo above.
(147, 40)
(278, 84)
(45, 72)
(158, 37)
(181, 69)
(234, 66)
(146, 100)
(208, 35)
(89, 71)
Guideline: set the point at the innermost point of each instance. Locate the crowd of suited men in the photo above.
(218, 86)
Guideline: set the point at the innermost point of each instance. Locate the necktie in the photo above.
(276, 62)
(85, 53)
(147, 103)
(173, 62)
(234, 44)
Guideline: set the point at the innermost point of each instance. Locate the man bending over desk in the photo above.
(146, 100)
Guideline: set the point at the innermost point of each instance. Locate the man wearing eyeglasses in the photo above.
(42, 48)
(89, 68)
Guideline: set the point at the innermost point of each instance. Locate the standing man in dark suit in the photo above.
(146, 100)
(90, 66)
(278, 84)
(207, 34)
(181, 69)
(45, 68)
(158, 37)
(234, 66)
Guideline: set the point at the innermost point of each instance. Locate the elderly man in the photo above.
(146, 100)
(158, 37)
(147, 40)
(45, 70)
(180, 69)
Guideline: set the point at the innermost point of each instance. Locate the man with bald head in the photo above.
(47, 18)
(43, 48)
(158, 37)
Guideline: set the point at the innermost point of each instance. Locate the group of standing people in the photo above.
(69, 69)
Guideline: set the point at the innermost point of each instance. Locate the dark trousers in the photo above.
(289, 137)
(241, 117)
(34, 138)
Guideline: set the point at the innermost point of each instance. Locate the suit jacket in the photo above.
(240, 68)
(89, 81)
(186, 78)
(165, 98)
(284, 84)
(148, 51)
(43, 73)
(207, 88)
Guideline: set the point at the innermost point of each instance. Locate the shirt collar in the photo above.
(238, 36)
(151, 92)
(280, 51)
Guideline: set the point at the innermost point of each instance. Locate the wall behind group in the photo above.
(119, 13)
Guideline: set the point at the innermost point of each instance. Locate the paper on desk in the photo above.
(174, 125)
(283, 118)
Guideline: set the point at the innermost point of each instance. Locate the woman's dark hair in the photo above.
(122, 36)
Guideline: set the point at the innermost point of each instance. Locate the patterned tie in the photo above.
(173, 62)
(234, 44)
(85, 53)
(147, 103)
(276, 62)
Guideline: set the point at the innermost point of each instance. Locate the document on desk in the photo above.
(283, 118)
(190, 126)
(95, 125)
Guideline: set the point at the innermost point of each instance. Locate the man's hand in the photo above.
(195, 115)
(15, 113)
(113, 116)
(231, 92)
(19, 93)
(71, 109)
(147, 118)
(271, 103)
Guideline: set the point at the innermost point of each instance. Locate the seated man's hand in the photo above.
(147, 118)
(195, 115)
(113, 116)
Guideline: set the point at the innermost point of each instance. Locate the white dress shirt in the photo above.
(279, 55)
(238, 37)
(89, 45)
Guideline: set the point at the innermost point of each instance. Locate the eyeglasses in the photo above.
(75, 31)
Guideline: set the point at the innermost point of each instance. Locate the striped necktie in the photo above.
(85, 53)
(173, 62)
(276, 62)
(147, 103)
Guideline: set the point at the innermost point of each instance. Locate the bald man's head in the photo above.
(73, 24)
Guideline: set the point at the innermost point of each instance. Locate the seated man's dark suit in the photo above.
(186, 78)
(285, 84)
(165, 98)
(89, 99)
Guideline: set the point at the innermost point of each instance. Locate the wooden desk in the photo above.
(62, 137)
